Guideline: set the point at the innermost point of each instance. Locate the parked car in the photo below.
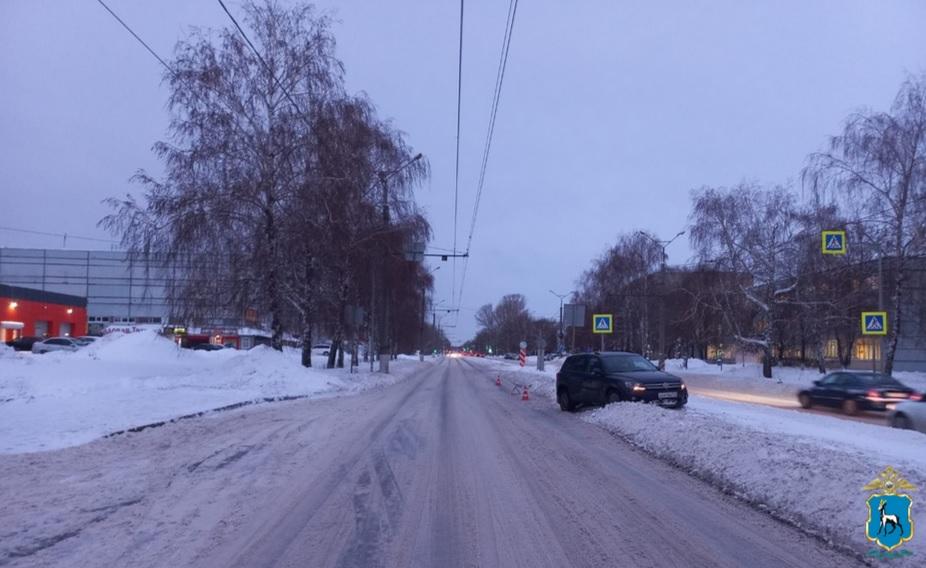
(910, 414)
(511, 356)
(602, 378)
(85, 340)
(321, 349)
(23, 343)
(207, 347)
(854, 391)
(56, 344)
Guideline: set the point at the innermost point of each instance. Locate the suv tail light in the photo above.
(916, 396)
(873, 394)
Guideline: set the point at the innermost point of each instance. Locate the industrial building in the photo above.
(122, 291)
(27, 312)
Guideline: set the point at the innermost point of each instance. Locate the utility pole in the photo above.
(424, 308)
(384, 340)
(560, 336)
(662, 292)
(384, 284)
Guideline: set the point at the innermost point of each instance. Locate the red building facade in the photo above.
(26, 312)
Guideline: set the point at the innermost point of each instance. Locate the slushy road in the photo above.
(442, 470)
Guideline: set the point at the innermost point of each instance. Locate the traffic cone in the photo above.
(524, 395)
(498, 381)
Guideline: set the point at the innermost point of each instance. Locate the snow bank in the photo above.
(804, 468)
(126, 380)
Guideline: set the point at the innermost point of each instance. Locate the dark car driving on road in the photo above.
(853, 391)
(602, 378)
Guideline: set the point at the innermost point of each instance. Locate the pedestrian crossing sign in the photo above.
(834, 242)
(874, 323)
(603, 323)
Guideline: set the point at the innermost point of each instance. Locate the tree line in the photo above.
(759, 276)
(282, 192)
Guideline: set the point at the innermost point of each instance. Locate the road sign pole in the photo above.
(602, 343)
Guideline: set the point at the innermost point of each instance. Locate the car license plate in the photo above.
(668, 395)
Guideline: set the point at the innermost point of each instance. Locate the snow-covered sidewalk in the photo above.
(808, 469)
(59, 400)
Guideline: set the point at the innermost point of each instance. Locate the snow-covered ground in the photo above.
(122, 381)
(806, 468)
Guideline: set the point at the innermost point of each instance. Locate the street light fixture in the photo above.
(662, 304)
(421, 325)
(384, 323)
(560, 335)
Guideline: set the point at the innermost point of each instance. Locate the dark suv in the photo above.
(602, 378)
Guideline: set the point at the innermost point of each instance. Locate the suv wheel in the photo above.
(902, 422)
(850, 407)
(565, 402)
(612, 396)
(804, 399)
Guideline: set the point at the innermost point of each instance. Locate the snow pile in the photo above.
(807, 469)
(6, 351)
(127, 380)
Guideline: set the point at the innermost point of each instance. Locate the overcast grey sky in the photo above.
(611, 113)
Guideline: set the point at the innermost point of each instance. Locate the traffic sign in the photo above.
(874, 323)
(523, 345)
(833, 242)
(603, 323)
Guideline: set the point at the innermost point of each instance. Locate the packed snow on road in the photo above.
(122, 381)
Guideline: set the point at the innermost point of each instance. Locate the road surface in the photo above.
(704, 385)
(442, 470)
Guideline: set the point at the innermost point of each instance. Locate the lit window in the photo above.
(13, 305)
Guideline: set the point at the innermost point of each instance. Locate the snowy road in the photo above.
(443, 469)
(702, 385)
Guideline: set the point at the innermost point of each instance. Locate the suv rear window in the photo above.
(574, 363)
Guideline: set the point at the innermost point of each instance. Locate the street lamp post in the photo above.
(560, 335)
(384, 339)
(662, 285)
(421, 325)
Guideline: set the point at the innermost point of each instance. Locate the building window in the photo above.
(867, 350)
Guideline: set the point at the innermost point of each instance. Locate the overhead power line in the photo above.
(62, 235)
(137, 37)
(499, 82)
(456, 181)
(263, 62)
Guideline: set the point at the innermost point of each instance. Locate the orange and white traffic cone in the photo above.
(524, 395)
(498, 381)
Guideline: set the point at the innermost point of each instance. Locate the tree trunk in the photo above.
(333, 351)
(276, 326)
(894, 326)
(306, 344)
(821, 362)
(767, 362)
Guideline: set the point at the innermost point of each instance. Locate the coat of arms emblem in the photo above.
(890, 511)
